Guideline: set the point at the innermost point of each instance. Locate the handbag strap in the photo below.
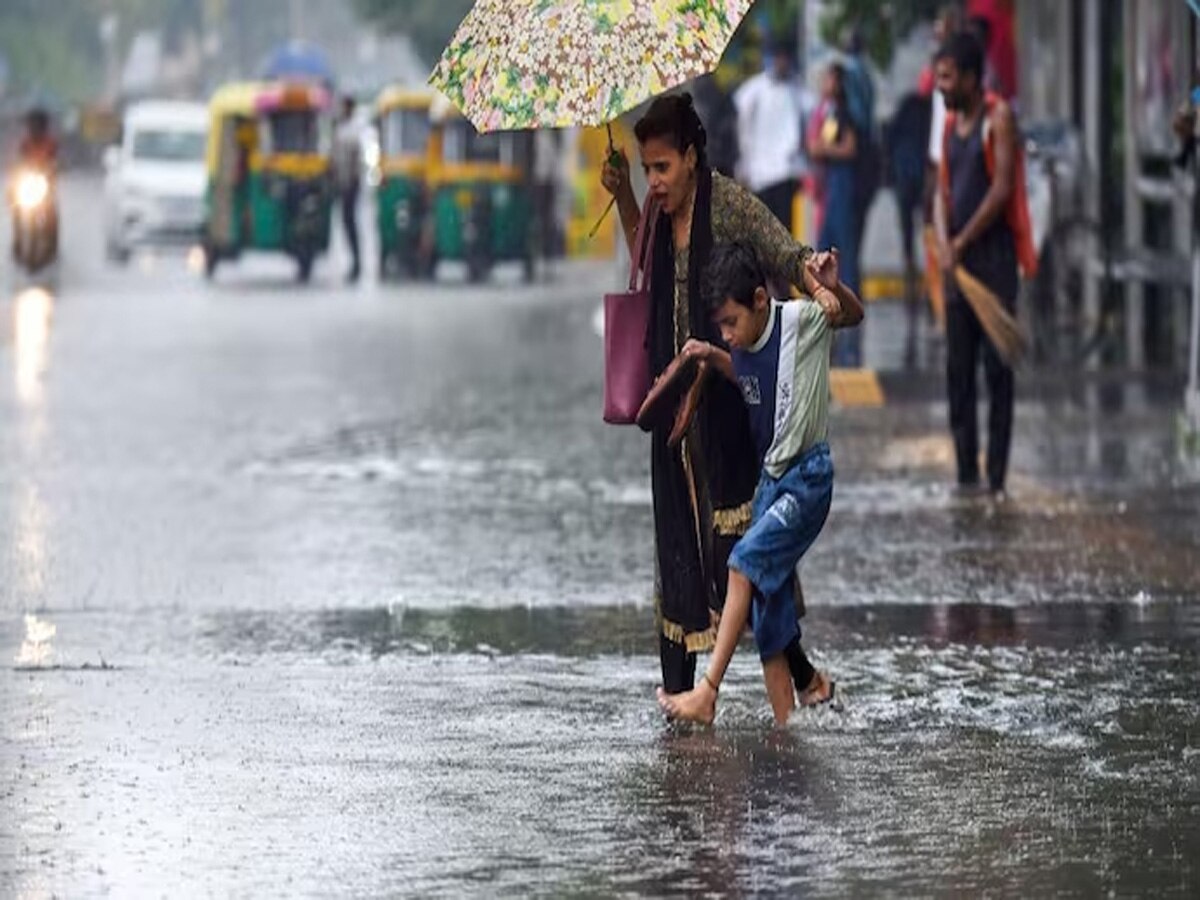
(643, 246)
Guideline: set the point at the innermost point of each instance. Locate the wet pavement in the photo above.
(345, 591)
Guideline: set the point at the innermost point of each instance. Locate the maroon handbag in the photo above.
(626, 325)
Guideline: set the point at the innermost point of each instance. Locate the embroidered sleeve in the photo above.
(740, 216)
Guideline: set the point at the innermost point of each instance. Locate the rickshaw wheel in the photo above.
(210, 262)
(478, 269)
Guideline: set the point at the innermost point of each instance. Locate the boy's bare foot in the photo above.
(697, 705)
(820, 690)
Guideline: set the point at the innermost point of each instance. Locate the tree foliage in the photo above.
(54, 46)
(430, 23)
(879, 23)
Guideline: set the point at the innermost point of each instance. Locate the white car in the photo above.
(155, 180)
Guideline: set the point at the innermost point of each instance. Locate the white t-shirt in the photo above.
(347, 159)
(937, 127)
(770, 131)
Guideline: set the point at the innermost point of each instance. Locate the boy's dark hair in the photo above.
(673, 118)
(966, 52)
(732, 273)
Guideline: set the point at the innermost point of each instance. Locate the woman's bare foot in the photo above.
(819, 690)
(697, 705)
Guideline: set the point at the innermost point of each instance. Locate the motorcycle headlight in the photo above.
(32, 189)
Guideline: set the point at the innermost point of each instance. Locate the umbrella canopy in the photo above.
(559, 63)
(298, 60)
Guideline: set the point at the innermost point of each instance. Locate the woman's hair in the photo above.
(837, 72)
(732, 273)
(673, 118)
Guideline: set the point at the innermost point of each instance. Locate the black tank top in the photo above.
(992, 258)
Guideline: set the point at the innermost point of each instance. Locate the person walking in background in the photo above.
(859, 92)
(347, 174)
(907, 139)
(545, 175)
(770, 134)
(948, 22)
(978, 184)
(835, 148)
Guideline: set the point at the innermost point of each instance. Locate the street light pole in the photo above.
(1192, 397)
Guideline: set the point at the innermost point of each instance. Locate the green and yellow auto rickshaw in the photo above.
(269, 172)
(402, 116)
(482, 208)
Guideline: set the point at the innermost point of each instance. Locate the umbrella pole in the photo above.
(604, 215)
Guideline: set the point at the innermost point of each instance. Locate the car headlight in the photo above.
(32, 190)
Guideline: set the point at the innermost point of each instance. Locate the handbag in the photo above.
(626, 326)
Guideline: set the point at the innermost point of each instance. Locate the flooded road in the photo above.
(345, 591)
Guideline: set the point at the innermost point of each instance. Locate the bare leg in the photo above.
(780, 691)
(700, 703)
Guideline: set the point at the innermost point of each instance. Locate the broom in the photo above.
(933, 279)
(999, 325)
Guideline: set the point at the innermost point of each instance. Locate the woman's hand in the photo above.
(824, 267)
(615, 173)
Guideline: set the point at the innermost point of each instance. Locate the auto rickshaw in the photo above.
(269, 173)
(482, 209)
(400, 195)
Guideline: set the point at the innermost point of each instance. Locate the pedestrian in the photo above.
(859, 91)
(907, 140)
(546, 174)
(835, 148)
(770, 134)
(982, 225)
(779, 358)
(347, 173)
(702, 487)
(947, 23)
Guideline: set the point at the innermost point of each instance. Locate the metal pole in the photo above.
(1191, 403)
(1192, 398)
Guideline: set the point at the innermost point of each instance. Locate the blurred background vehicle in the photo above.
(154, 179)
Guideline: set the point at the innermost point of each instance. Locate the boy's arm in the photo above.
(713, 355)
(842, 307)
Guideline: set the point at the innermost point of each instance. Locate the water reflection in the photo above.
(32, 313)
(37, 648)
(625, 630)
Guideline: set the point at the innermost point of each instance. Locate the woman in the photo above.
(834, 146)
(702, 489)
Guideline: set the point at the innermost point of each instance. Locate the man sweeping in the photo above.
(983, 235)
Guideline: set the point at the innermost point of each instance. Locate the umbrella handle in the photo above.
(613, 160)
(604, 215)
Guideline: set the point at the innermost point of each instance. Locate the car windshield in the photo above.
(404, 132)
(296, 131)
(465, 144)
(160, 145)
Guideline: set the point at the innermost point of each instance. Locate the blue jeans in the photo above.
(788, 514)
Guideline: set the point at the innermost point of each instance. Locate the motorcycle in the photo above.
(35, 219)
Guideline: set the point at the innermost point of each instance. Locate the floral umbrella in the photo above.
(557, 63)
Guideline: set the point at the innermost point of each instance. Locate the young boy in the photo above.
(780, 360)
